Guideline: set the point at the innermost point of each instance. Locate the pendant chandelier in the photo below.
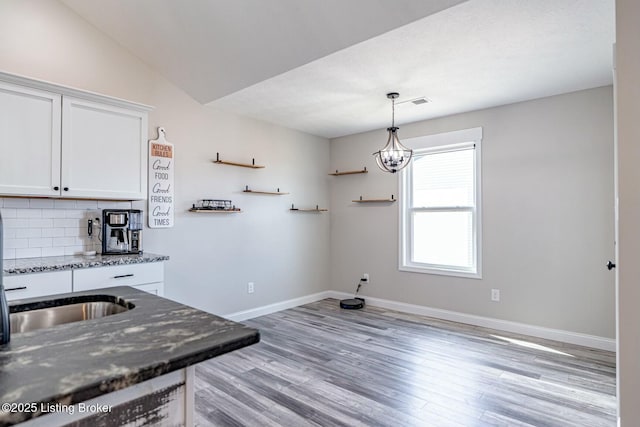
(394, 156)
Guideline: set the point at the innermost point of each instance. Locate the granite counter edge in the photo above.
(89, 263)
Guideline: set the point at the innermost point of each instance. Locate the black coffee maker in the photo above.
(121, 231)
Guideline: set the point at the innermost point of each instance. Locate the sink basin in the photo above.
(58, 312)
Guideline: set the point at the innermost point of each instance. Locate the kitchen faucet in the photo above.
(5, 326)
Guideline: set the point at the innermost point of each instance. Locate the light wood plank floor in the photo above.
(320, 365)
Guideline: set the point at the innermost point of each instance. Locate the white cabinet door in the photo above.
(103, 151)
(29, 141)
(37, 284)
(120, 275)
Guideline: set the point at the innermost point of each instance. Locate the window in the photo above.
(440, 226)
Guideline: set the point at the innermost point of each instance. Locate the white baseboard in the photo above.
(454, 316)
(239, 316)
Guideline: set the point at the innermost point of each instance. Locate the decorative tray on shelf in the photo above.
(214, 206)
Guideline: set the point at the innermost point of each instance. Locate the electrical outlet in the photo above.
(250, 288)
(365, 278)
(495, 295)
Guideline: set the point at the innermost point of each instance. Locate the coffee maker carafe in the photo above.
(121, 231)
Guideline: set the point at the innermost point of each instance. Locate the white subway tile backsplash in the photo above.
(48, 227)
(63, 241)
(29, 253)
(15, 223)
(73, 250)
(41, 203)
(111, 204)
(75, 213)
(107, 204)
(16, 243)
(29, 213)
(73, 232)
(9, 253)
(28, 233)
(16, 203)
(66, 222)
(40, 222)
(53, 251)
(86, 204)
(9, 213)
(54, 213)
(46, 242)
(65, 204)
(53, 232)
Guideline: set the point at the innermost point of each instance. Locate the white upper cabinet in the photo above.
(103, 151)
(62, 142)
(29, 141)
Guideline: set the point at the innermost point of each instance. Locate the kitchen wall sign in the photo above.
(161, 164)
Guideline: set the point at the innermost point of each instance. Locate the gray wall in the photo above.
(547, 216)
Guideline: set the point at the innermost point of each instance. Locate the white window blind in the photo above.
(443, 179)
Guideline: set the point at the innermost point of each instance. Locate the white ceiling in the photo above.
(212, 48)
(324, 66)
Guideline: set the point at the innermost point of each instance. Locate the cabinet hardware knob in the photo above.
(610, 265)
(66, 188)
(56, 188)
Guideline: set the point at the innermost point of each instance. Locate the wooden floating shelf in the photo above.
(215, 210)
(338, 173)
(316, 209)
(361, 200)
(251, 165)
(273, 193)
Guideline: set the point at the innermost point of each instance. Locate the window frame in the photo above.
(442, 142)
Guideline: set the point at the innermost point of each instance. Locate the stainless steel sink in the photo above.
(30, 320)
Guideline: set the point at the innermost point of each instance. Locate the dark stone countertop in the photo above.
(74, 362)
(57, 263)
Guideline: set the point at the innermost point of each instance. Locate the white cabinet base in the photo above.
(37, 284)
(148, 277)
(85, 279)
(167, 400)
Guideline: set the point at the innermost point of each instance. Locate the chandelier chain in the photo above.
(393, 112)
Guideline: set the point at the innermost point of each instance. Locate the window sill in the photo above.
(441, 272)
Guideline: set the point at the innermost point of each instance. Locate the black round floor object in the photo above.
(352, 303)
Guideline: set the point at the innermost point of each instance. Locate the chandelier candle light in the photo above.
(394, 156)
